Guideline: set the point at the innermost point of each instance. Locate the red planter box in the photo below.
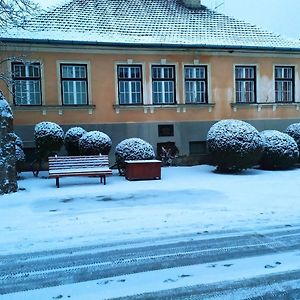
(142, 169)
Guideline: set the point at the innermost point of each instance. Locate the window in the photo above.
(284, 84)
(163, 84)
(130, 84)
(195, 79)
(26, 83)
(74, 84)
(165, 130)
(245, 84)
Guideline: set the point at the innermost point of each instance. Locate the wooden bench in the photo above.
(92, 165)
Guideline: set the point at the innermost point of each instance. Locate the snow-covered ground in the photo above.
(187, 200)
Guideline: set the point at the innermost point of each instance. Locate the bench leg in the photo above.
(103, 179)
(57, 182)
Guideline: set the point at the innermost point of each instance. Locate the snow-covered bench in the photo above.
(92, 165)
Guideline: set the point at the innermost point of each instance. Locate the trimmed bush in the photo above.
(72, 138)
(234, 145)
(280, 151)
(294, 131)
(94, 143)
(132, 149)
(49, 138)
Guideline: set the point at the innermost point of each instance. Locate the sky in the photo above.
(279, 16)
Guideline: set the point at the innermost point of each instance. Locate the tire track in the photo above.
(52, 268)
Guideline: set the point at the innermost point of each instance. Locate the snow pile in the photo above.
(94, 143)
(280, 150)
(49, 138)
(72, 138)
(234, 145)
(294, 131)
(133, 149)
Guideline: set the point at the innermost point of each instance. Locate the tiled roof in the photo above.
(146, 22)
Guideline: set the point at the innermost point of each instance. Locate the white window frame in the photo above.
(254, 80)
(165, 65)
(130, 80)
(27, 79)
(205, 80)
(292, 80)
(59, 81)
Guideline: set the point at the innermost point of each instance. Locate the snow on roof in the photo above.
(146, 22)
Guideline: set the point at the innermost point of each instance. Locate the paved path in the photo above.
(32, 271)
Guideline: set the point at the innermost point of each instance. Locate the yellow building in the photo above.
(162, 70)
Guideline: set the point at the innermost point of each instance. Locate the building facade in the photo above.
(159, 70)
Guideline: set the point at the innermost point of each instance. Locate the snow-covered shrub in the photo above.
(234, 145)
(49, 138)
(18, 141)
(71, 140)
(294, 131)
(94, 143)
(20, 155)
(132, 149)
(280, 150)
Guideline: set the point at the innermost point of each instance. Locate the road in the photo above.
(276, 276)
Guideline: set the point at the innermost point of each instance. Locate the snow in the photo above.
(74, 133)
(172, 278)
(235, 134)
(95, 142)
(142, 161)
(276, 141)
(280, 150)
(45, 4)
(294, 131)
(20, 155)
(5, 110)
(45, 129)
(186, 201)
(234, 144)
(134, 149)
(72, 138)
(18, 141)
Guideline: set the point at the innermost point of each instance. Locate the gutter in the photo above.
(149, 45)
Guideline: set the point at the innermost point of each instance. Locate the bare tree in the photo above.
(15, 12)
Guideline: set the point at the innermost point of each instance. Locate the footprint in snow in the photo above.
(104, 282)
(277, 263)
(184, 275)
(228, 265)
(269, 267)
(170, 280)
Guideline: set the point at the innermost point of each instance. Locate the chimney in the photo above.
(193, 4)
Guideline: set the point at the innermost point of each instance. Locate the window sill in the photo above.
(260, 106)
(149, 108)
(44, 109)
